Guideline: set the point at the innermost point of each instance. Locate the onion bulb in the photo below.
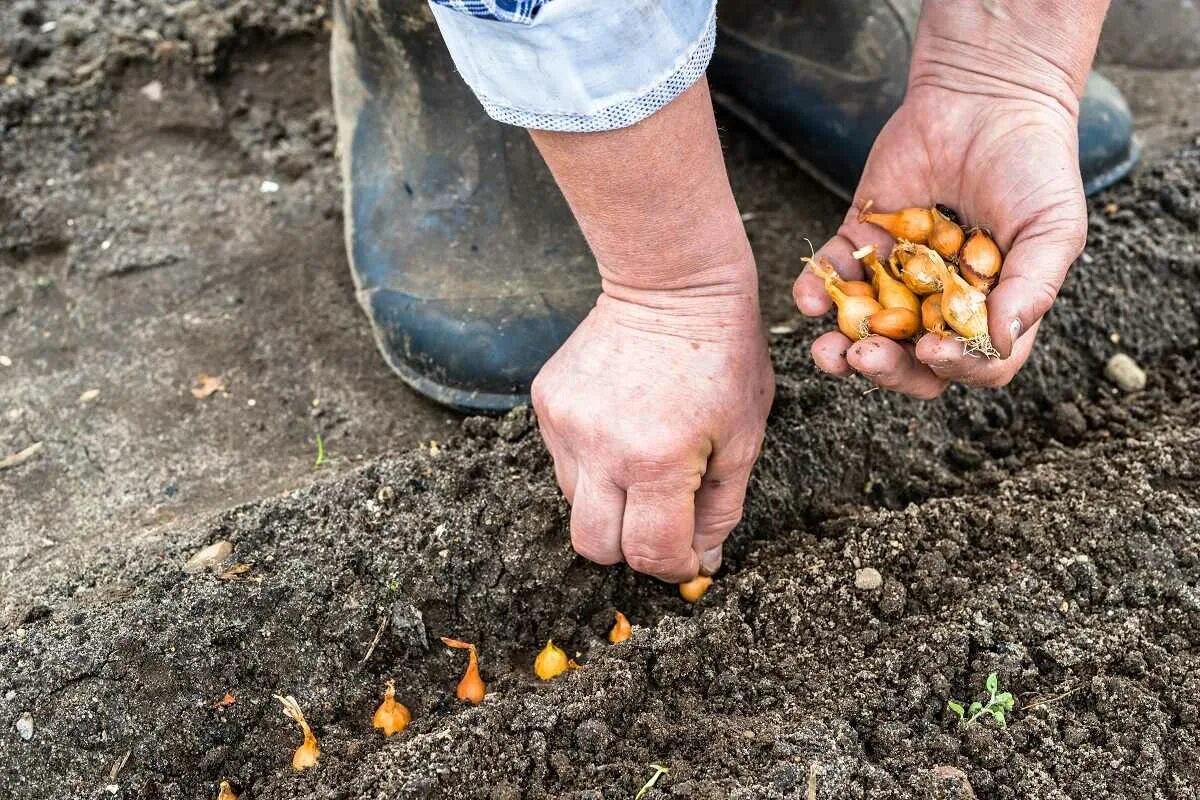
(621, 629)
(947, 236)
(913, 224)
(306, 754)
(868, 256)
(931, 314)
(471, 688)
(551, 662)
(894, 323)
(922, 267)
(852, 310)
(890, 292)
(980, 260)
(391, 717)
(226, 792)
(694, 589)
(965, 310)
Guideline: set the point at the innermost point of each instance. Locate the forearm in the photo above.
(655, 205)
(1042, 48)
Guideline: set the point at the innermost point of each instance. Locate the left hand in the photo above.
(1008, 163)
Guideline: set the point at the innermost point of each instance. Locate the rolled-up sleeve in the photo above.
(577, 65)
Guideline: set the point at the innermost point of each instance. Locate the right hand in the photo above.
(654, 411)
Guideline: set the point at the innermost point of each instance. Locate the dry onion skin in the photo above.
(913, 224)
(894, 323)
(931, 314)
(306, 754)
(980, 260)
(947, 235)
(890, 292)
(965, 310)
(551, 662)
(621, 629)
(471, 688)
(391, 717)
(852, 310)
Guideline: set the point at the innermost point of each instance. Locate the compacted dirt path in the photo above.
(1048, 532)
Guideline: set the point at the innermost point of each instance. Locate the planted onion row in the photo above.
(935, 280)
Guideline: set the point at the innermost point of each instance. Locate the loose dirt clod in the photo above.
(867, 578)
(1122, 370)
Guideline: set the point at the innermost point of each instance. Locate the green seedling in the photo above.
(43, 282)
(659, 771)
(320, 451)
(998, 704)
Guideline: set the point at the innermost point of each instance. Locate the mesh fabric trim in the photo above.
(618, 115)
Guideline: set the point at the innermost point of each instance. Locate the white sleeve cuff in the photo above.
(582, 65)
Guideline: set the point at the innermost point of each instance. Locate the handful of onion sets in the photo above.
(935, 280)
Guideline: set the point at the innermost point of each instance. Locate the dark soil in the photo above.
(1048, 532)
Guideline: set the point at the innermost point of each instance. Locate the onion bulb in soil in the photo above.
(913, 224)
(890, 292)
(931, 314)
(471, 688)
(391, 717)
(965, 310)
(306, 754)
(947, 235)
(894, 323)
(921, 268)
(980, 260)
(621, 629)
(226, 792)
(551, 662)
(694, 589)
(852, 311)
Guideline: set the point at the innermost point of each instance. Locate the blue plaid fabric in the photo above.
(518, 11)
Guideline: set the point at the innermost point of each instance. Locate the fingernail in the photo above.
(1014, 333)
(710, 562)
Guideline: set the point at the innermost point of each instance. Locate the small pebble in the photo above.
(867, 578)
(209, 556)
(152, 91)
(269, 187)
(25, 726)
(89, 395)
(5, 361)
(1125, 373)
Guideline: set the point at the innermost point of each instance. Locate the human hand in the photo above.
(1001, 149)
(654, 411)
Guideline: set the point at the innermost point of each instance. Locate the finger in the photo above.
(656, 534)
(566, 471)
(945, 357)
(892, 365)
(719, 504)
(1032, 274)
(596, 518)
(829, 354)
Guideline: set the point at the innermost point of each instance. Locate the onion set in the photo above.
(306, 754)
(391, 717)
(471, 688)
(935, 280)
(621, 629)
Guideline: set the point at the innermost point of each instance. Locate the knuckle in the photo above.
(656, 564)
(719, 521)
(591, 546)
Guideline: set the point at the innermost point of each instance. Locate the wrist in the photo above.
(1026, 50)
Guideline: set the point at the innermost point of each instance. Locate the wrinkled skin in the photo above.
(654, 419)
(1005, 162)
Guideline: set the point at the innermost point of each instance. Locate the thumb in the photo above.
(719, 503)
(1033, 272)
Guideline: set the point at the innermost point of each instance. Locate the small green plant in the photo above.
(43, 282)
(320, 451)
(998, 704)
(659, 771)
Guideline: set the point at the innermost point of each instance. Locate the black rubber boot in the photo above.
(819, 78)
(466, 258)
